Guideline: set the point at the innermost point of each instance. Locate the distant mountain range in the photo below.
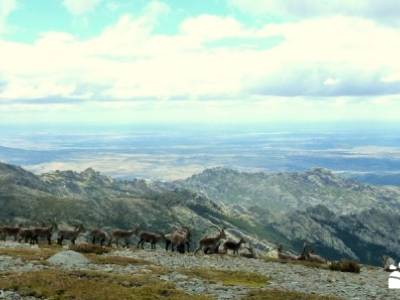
(339, 216)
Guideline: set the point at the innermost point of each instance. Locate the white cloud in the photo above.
(80, 7)
(387, 11)
(6, 8)
(315, 59)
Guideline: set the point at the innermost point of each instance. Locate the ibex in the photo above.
(10, 231)
(148, 237)
(118, 234)
(309, 255)
(43, 232)
(99, 235)
(211, 242)
(26, 234)
(71, 235)
(180, 238)
(231, 245)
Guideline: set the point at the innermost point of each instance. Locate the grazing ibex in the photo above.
(179, 238)
(99, 235)
(234, 246)
(43, 232)
(148, 237)
(211, 242)
(10, 231)
(118, 234)
(71, 235)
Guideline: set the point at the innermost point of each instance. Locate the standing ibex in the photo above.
(43, 232)
(231, 245)
(118, 234)
(148, 237)
(179, 238)
(26, 234)
(10, 231)
(99, 235)
(309, 254)
(211, 242)
(71, 235)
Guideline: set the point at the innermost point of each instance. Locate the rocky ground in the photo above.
(371, 283)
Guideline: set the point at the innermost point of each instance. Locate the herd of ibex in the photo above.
(179, 239)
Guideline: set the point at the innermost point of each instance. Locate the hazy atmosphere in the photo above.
(199, 149)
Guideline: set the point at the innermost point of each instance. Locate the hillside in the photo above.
(100, 201)
(339, 216)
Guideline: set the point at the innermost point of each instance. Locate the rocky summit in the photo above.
(152, 274)
(339, 217)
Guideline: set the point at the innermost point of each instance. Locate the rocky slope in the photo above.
(214, 277)
(339, 216)
(99, 201)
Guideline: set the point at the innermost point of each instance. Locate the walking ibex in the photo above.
(118, 234)
(148, 237)
(99, 235)
(71, 235)
(10, 231)
(234, 246)
(43, 232)
(211, 242)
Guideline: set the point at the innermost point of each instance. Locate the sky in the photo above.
(211, 61)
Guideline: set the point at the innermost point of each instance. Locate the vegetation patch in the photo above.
(285, 295)
(345, 266)
(305, 263)
(88, 285)
(116, 260)
(229, 278)
(89, 248)
(30, 254)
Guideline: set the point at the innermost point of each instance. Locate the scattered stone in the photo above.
(68, 259)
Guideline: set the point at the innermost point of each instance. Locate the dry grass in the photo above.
(30, 254)
(284, 295)
(116, 260)
(229, 278)
(345, 266)
(89, 248)
(88, 285)
(305, 263)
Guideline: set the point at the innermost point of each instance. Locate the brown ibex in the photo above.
(26, 234)
(71, 235)
(309, 255)
(43, 232)
(179, 238)
(118, 234)
(211, 242)
(234, 246)
(10, 231)
(148, 237)
(99, 235)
